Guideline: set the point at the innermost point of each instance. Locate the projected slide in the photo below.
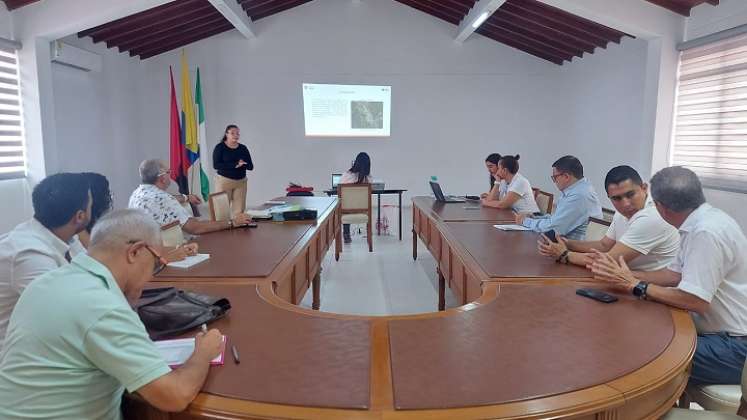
(346, 110)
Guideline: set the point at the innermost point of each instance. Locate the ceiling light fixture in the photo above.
(480, 19)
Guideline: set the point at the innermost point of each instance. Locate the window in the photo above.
(12, 152)
(710, 132)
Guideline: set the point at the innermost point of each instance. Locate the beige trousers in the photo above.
(236, 190)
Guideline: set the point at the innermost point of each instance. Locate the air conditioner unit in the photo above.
(75, 57)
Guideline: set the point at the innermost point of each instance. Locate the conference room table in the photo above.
(395, 191)
(523, 344)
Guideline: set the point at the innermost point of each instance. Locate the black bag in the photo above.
(168, 311)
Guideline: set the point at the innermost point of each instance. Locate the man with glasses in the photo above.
(74, 343)
(637, 233)
(577, 202)
(152, 197)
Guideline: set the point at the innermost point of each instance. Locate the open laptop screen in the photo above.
(335, 180)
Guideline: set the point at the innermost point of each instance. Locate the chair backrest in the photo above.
(220, 208)
(354, 198)
(172, 235)
(607, 214)
(535, 191)
(596, 229)
(544, 201)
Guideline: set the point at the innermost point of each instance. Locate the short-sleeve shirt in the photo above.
(26, 252)
(161, 205)
(647, 233)
(73, 345)
(520, 186)
(713, 264)
(352, 178)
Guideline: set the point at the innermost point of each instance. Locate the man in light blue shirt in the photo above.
(74, 344)
(578, 201)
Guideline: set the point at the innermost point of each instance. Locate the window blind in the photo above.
(710, 132)
(12, 150)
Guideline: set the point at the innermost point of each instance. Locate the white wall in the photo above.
(97, 128)
(602, 96)
(452, 104)
(706, 19)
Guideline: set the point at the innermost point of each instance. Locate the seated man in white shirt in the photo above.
(62, 208)
(637, 233)
(708, 277)
(152, 197)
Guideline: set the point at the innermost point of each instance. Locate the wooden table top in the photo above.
(463, 212)
(526, 349)
(250, 252)
(288, 357)
(523, 345)
(509, 254)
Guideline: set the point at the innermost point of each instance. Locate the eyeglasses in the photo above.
(159, 264)
(164, 172)
(555, 177)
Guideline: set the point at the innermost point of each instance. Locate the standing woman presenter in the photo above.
(231, 160)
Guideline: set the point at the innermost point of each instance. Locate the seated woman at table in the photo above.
(491, 162)
(515, 192)
(359, 173)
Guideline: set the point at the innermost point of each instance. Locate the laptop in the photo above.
(440, 195)
(335, 180)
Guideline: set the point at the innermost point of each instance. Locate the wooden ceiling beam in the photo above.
(593, 29)
(530, 42)
(15, 4)
(134, 21)
(156, 26)
(173, 35)
(520, 46)
(499, 22)
(431, 11)
(158, 37)
(673, 6)
(271, 8)
(185, 40)
(559, 26)
(545, 30)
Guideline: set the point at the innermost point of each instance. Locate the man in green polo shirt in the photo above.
(74, 344)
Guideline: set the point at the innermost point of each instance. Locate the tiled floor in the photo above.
(384, 282)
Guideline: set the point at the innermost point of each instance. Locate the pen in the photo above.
(204, 328)
(235, 355)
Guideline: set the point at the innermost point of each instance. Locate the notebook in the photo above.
(189, 261)
(511, 227)
(176, 352)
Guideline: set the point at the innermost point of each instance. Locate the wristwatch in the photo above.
(640, 290)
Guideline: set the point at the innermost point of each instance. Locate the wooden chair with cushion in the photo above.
(355, 207)
(719, 401)
(596, 229)
(544, 201)
(172, 235)
(607, 214)
(220, 207)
